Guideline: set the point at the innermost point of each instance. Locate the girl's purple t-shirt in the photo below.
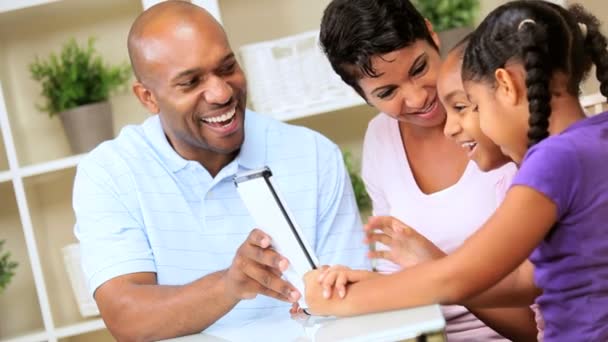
(571, 263)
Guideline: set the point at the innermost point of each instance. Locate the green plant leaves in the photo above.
(363, 201)
(7, 268)
(448, 14)
(76, 77)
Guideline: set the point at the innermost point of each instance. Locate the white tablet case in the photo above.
(264, 203)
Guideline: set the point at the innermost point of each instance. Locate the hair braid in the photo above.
(535, 55)
(595, 44)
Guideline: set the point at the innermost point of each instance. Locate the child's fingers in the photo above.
(341, 282)
(381, 255)
(322, 272)
(382, 238)
(328, 283)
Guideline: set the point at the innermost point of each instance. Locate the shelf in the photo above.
(19, 305)
(32, 337)
(47, 167)
(345, 127)
(8, 6)
(5, 176)
(50, 201)
(102, 335)
(338, 105)
(40, 31)
(80, 328)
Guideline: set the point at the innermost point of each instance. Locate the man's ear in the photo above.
(146, 97)
(506, 87)
(434, 35)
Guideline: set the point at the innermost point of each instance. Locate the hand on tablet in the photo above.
(256, 269)
(406, 247)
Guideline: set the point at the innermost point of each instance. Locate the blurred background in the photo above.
(41, 298)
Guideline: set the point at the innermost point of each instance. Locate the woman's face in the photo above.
(462, 123)
(405, 88)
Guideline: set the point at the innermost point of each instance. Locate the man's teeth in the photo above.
(221, 118)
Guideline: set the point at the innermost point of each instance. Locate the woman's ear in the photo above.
(508, 89)
(434, 35)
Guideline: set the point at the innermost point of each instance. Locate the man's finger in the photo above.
(259, 238)
(271, 281)
(266, 257)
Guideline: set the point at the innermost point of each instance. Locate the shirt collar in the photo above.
(253, 150)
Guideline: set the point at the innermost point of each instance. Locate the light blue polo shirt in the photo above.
(140, 207)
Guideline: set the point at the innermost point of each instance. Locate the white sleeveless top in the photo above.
(447, 217)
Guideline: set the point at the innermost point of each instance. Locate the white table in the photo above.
(419, 324)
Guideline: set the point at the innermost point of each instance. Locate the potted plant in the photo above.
(7, 268)
(76, 84)
(451, 19)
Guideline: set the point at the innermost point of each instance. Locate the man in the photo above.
(168, 247)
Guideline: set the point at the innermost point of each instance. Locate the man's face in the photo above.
(199, 88)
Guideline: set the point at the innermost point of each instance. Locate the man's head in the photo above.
(187, 73)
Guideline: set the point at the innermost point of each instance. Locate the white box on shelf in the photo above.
(86, 303)
(292, 75)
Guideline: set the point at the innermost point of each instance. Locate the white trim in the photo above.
(8, 5)
(80, 328)
(5, 176)
(212, 6)
(26, 221)
(51, 166)
(33, 337)
(320, 109)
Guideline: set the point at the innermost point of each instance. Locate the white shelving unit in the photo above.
(37, 168)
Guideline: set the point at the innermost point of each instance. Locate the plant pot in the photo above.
(87, 126)
(450, 38)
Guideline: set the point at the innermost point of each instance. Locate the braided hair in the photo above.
(546, 38)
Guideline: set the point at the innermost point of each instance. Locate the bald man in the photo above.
(167, 246)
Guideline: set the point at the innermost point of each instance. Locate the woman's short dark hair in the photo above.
(353, 31)
(546, 38)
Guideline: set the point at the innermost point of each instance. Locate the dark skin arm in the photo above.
(135, 308)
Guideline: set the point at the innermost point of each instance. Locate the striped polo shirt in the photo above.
(141, 207)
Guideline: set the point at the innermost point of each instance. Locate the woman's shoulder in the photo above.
(379, 129)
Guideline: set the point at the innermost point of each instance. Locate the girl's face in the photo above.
(462, 122)
(503, 111)
(406, 86)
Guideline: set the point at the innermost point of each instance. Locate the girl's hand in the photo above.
(406, 247)
(326, 286)
(334, 279)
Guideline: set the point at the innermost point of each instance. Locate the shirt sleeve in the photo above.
(339, 229)
(552, 168)
(113, 242)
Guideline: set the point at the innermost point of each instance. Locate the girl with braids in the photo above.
(522, 70)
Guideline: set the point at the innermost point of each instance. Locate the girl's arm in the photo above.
(494, 251)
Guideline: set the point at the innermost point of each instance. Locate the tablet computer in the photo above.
(271, 215)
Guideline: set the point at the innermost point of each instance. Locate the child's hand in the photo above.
(406, 247)
(322, 283)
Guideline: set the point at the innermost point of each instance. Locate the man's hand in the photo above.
(257, 269)
(406, 247)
